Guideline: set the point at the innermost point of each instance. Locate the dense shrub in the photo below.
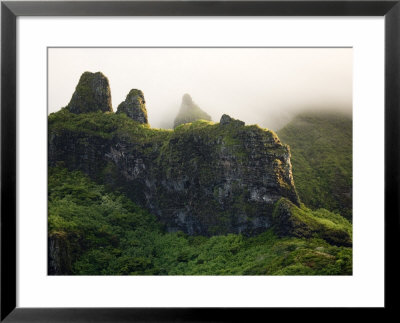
(104, 233)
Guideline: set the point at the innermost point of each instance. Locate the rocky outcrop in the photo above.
(225, 120)
(59, 254)
(189, 112)
(92, 94)
(134, 106)
(290, 220)
(202, 178)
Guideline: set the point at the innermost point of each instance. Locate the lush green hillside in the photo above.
(95, 232)
(321, 148)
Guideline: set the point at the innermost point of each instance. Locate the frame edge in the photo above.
(392, 150)
(8, 161)
(203, 8)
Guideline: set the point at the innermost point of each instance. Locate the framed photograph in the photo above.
(178, 160)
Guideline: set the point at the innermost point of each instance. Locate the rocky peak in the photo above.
(92, 94)
(190, 112)
(187, 100)
(134, 106)
(226, 119)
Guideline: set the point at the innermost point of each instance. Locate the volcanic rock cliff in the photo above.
(202, 178)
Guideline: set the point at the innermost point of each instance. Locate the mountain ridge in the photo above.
(203, 180)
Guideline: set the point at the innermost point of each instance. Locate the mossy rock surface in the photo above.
(294, 221)
(92, 94)
(134, 106)
(202, 178)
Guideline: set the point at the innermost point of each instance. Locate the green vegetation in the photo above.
(321, 148)
(302, 222)
(104, 125)
(104, 233)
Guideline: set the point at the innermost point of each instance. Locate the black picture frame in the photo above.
(10, 10)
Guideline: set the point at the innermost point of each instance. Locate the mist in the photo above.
(264, 86)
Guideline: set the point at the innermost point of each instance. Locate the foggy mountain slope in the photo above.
(189, 112)
(321, 149)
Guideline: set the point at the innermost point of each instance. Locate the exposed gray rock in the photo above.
(59, 255)
(134, 106)
(225, 120)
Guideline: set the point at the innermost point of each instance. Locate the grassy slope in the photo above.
(321, 147)
(106, 234)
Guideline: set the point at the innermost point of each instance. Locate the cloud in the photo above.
(257, 85)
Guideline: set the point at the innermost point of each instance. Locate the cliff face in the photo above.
(201, 178)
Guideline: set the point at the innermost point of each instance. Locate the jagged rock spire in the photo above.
(134, 106)
(91, 94)
(189, 112)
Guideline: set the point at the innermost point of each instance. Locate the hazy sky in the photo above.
(257, 85)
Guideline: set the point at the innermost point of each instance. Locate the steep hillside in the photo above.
(321, 147)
